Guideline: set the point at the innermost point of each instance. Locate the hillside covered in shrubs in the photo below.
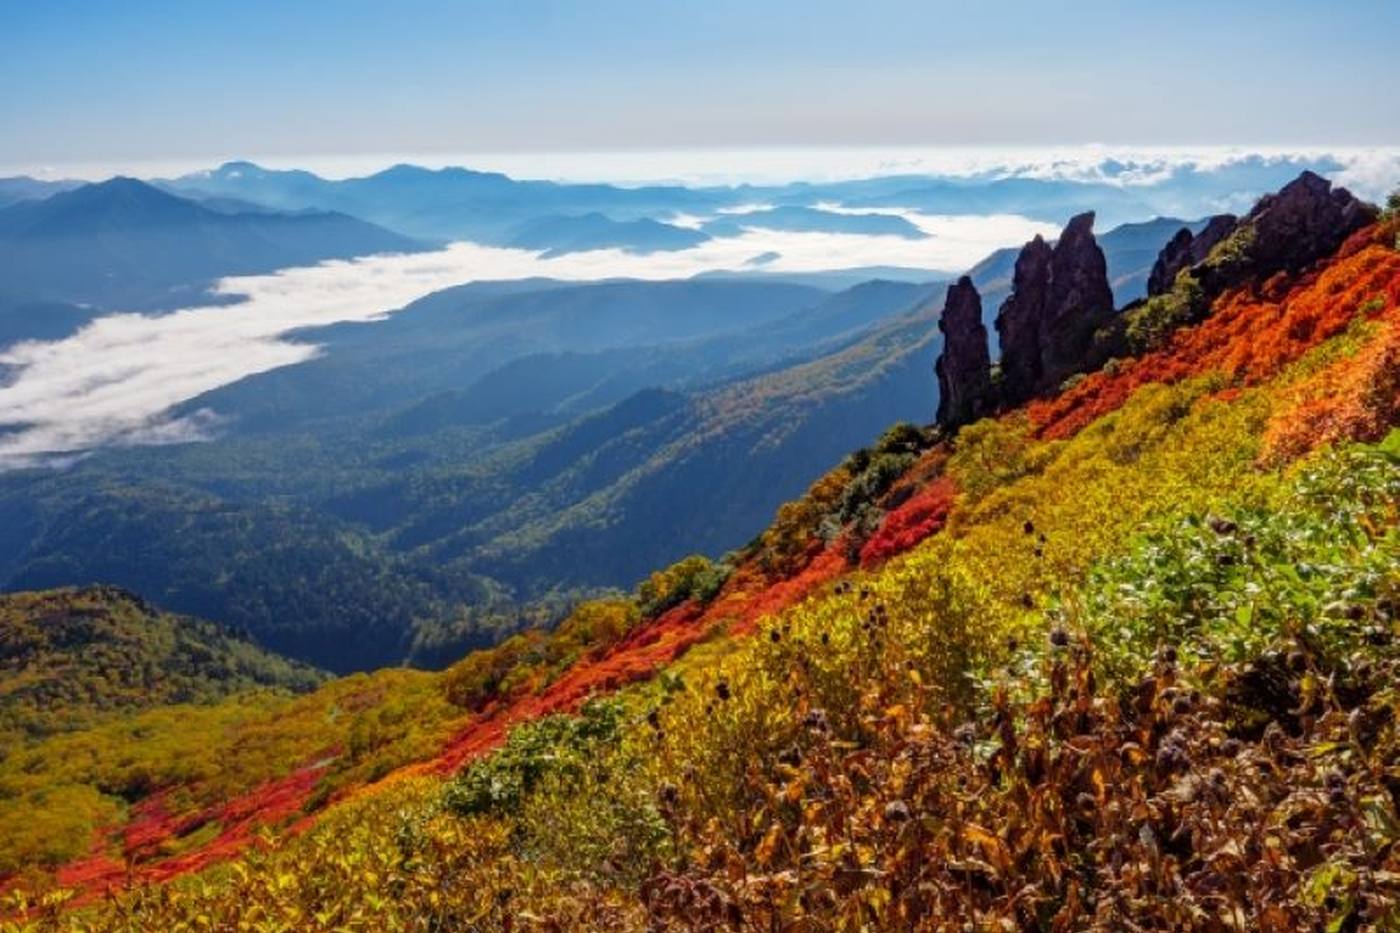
(1114, 649)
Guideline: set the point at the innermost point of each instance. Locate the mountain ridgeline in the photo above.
(125, 244)
(455, 203)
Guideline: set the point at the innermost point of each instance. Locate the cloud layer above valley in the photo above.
(113, 382)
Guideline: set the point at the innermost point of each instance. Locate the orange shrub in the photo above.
(1247, 336)
(1355, 398)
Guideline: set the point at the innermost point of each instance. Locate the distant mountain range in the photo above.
(559, 235)
(797, 219)
(130, 245)
(126, 245)
(488, 207)
(442, 204)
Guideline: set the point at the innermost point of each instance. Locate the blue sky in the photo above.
(94, 81)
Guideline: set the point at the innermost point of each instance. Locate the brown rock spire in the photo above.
(1059, 298)
(1019, 321)
(964, 367)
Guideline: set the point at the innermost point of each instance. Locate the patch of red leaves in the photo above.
(152, 825)
(638, 656)
(1248, 336)
(920, 516)
(825, 567)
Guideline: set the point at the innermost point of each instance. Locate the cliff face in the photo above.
(1060, 297)
(1019, 321)
(964, 368)
(1186, 250)
(1080, 303)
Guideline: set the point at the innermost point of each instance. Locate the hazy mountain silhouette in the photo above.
(560, 235)
(126, 244)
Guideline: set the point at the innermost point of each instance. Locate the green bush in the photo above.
(901, 438)
(556, 746)
(694, 577)
(874, 481)
(1151, 323)
(1315, 567)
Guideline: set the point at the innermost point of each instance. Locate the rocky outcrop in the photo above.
(1019, 320)
(1186, 250)
(1081, 302)
(1059, 319)
(1306, 221)
(1060, 298)
(964, 367)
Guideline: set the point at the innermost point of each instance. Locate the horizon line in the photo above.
(715, 165)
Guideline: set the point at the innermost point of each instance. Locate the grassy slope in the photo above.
(1149, 520)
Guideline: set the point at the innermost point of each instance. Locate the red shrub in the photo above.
(825, 567)
(922, 515)
(238, 819)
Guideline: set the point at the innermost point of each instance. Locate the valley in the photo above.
(1175, 570)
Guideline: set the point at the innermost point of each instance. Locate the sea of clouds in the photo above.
(113, 382)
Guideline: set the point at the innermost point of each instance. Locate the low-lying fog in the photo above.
(113, 382)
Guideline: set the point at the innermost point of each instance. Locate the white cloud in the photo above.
(1372, 175)
(113, 381)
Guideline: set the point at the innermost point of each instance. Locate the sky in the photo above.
(138, 82)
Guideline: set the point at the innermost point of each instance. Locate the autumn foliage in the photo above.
(911, 522)
(1357, 397)
(1249, 336)
(1125, 659)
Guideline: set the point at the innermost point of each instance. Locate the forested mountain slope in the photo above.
(69, 658)
(351, 505)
